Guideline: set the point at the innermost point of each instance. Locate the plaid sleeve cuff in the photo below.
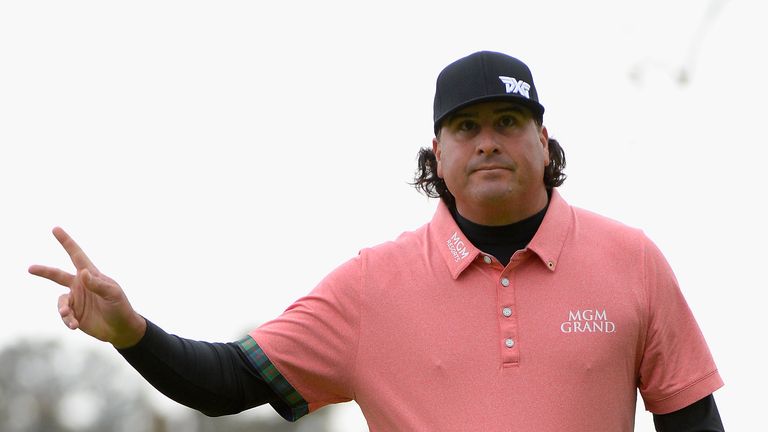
(294, 406)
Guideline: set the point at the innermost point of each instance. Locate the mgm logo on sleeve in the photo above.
(588, 321)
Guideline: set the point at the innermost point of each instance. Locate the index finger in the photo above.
(76, 254)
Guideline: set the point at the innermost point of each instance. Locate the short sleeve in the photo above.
(307, 354)
(676, 368)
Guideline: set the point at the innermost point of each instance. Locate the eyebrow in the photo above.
(471, 114)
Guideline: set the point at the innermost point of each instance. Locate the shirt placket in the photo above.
(506, 313)
(507, 310)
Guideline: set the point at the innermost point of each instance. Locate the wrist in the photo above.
(133, 333)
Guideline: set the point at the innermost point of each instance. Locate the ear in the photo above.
(544, 139)
(436, 149)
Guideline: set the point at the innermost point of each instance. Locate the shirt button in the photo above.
(487, 259)
(509, 343)
(507, 312)
(505, 282)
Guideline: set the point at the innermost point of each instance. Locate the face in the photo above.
(492, 157)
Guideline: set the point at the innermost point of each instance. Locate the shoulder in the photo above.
(407, 245)
(587, 228)
(603, 240)
(603, 228)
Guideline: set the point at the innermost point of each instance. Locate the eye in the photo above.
(466, 125)
(507, 121)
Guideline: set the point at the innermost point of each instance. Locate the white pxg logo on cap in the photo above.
(516, 86)
(481, 77)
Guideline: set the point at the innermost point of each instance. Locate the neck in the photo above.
(500, 241)
(504, 213)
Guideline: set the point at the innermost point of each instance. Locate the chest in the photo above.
(503, 344)
(525, 321)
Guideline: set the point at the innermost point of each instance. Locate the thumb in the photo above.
(95, 284)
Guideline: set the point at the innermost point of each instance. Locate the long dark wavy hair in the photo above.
(425, 179)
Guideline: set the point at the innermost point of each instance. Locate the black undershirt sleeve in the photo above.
(701, 416)
(213, 378)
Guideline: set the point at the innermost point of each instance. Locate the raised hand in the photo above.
(95, 303)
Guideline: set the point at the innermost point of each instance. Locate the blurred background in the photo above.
(218, 159)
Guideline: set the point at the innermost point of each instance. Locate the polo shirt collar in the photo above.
(458, 252)
(549, 240)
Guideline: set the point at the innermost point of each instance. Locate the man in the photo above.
(510, 310)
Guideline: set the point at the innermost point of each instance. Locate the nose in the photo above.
(486, 142)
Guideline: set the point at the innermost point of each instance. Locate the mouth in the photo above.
(491, 168)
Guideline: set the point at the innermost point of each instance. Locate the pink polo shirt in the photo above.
(427, 333)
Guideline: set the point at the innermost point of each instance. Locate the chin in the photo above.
(495, 192)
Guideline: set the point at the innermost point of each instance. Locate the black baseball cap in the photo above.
(481, 77)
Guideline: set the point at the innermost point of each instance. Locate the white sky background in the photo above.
(218, 159)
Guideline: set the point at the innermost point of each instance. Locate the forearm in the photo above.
(213, 378)
(700, 416)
